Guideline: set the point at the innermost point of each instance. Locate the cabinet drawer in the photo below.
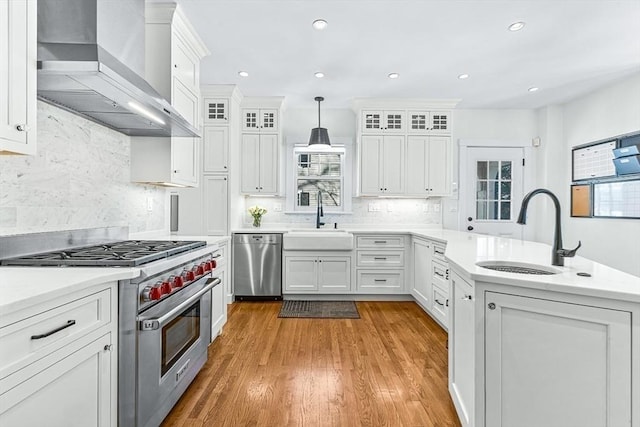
(440, 306)
(438, 250)
(380, 241)
(380, 282)
(26, 341)
(440, 275)
(380, 259)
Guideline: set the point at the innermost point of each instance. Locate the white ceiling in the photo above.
(567, 48)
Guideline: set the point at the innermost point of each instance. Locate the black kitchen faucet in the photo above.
(558, 254)
(320, 211)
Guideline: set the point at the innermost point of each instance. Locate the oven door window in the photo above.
(179, 335)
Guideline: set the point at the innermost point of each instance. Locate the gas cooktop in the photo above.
(126, 253)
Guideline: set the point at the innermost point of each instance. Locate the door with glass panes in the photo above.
(494, 190)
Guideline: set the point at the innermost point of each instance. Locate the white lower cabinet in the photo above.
(556, 364)
(380, 281)
(421, 272)
(73, 392)
(528, 358)
(317, 274)
(215, 196)
(462, 330)
(218, 306)
(61, 370)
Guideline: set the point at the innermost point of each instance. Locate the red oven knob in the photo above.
(166, 288)
(214, 264)
(190, 275)
(200, 269)
(151, 293)
(178, 282)
(207, 266)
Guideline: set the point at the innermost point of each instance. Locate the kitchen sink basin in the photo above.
(316, 240)
(517, 267)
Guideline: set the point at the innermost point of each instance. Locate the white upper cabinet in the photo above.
(428, 165)
(216, 111)
(382, 165)
(376, 122)
(405, 147)
(264, 120)
(429, 122)
(260, 145)
(18, 77)
(172, 62)
(259, 164)
(216, 149)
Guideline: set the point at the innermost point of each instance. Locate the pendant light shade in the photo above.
(319, 136)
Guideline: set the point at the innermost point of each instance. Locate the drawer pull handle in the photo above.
(379, 280)
(380, 241)
(438, 252)
(380, 258)
(217, 256)
(439, 274)
(67, 325)
(439, 303)
(447, 302)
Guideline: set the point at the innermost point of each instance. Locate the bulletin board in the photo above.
(581, 201)
(594, 161)
(617, 199)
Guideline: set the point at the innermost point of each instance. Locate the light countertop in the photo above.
(22, 287)
(464, 250)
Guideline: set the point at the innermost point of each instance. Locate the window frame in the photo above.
(292, 178)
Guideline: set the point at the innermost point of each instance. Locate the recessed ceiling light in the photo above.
(319, 24)
(516, 26)
(319, 74)
(394, 75)
(243, 74)
(533, 89)
(463, 76)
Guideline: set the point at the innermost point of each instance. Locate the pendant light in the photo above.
(319, 136)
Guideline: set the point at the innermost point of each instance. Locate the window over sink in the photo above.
(318, 172)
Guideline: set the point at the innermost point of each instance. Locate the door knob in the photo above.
(470, 228)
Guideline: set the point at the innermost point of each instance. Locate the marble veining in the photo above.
(80, 178)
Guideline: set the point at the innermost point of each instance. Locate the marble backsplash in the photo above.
(390, 213)
(78, 179)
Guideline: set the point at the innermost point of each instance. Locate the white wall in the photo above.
(78, 179)
(608, 112)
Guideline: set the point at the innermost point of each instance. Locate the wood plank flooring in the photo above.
(388, 368)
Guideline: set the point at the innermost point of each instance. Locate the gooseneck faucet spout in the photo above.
(558, 254)
(320, 211)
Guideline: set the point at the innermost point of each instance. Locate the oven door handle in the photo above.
(156, 323)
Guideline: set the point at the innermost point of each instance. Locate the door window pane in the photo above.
(493, 190)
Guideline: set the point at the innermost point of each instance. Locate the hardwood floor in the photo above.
(388, 368)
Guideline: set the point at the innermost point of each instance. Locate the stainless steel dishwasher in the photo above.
(257, 266)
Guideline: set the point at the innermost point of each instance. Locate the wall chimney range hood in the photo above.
(90, 62)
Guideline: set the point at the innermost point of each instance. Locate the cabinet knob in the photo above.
(467, 297)
(22, 128)
(176, 171)
(491, 306)
(257, 188)
(470, 228)
(224, 167)
(108, 347)
(175, 65)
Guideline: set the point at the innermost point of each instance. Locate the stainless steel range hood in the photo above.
(90, 59)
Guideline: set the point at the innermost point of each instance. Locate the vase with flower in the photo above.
(257, 212)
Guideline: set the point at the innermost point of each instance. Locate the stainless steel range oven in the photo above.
(164, 314)
(164, 332)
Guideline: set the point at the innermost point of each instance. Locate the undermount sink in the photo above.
(314, 240)
(517, 267)
(317, 230)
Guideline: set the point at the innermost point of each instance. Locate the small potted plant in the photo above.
(257, 212)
